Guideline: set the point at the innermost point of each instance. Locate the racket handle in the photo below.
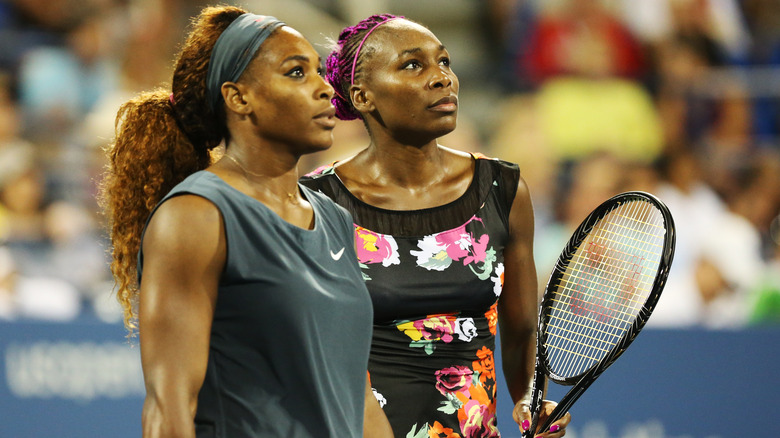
(537, 399)
(562, 408)
(530, 432)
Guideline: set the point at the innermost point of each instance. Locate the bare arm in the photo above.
(184, 254)
(518, 313)
(517, 308)
(375, 424)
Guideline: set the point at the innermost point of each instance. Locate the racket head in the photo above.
(604, 286)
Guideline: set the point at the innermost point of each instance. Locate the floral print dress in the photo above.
(435, 277)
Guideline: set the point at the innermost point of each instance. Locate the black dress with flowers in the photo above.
(435, 276)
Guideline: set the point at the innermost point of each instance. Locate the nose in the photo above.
(440, 78)
(326, 91)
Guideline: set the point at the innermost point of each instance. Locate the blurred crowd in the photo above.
(680, 98)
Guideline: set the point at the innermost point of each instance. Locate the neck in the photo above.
(404, 165)
(271, 176)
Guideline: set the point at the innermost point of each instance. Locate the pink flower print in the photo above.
(436, 328)
(439, 250)
(425, 333)
(457, 242)
(478, 251)
(479, 422)
(376, 248)
(453, 379)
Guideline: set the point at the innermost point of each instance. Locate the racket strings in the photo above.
(590, 286)
(585, 304)
(603, 287)
(616, 280)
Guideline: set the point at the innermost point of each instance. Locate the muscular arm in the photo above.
(375, 424)
(184, 254)
(517, 308)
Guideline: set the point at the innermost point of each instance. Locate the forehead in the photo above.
(399, 35)
(284, 43)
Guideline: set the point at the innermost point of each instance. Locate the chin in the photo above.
(448, 123)
(435, 129)
(444, 130)
(313, 148)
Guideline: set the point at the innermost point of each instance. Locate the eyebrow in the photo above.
(417, 49)
(303, 58)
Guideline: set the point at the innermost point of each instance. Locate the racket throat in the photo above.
(537, 400)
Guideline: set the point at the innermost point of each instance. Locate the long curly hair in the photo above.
(339, 63)
(161, 137)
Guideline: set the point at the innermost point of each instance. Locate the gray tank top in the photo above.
(292, 325)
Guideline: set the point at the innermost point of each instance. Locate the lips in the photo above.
(330, 112)
(326, 118)
(447, 103)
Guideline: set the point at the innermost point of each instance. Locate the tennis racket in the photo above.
(600, 294)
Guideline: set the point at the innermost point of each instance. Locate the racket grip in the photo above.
(556, 415)
(529, 433)
(562, 408)
(537, 399)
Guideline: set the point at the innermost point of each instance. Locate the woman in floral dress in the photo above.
(436, 231)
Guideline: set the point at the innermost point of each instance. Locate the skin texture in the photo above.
(407, 97)
(279, 110)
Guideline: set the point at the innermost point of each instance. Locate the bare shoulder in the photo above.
(461, 164)
(346, 162)
(521, 215)
(179, 219)
(348, 167)
(523, 194)
(456, 155)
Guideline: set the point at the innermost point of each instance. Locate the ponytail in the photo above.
(160, 139)
(148, 158)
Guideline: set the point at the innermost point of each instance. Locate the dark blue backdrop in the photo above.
(77, 380)
(679, 383)
(84, 380)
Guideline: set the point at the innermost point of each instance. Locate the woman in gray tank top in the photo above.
(243, 286)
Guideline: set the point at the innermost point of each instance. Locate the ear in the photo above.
(361, 99)
(233, 94)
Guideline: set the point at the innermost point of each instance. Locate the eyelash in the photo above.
(299, 72)
(445, 61)
(295, 72)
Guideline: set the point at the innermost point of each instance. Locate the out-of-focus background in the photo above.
(680, 98)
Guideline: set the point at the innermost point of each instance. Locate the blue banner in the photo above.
(84, 380)
(681, 384)
(78, 380)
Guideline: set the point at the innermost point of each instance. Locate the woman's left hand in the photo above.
(522, 415)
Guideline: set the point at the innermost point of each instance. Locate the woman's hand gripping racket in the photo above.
(600, 294)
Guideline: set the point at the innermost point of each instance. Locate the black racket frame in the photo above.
(585, 379)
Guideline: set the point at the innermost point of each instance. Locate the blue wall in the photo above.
(84, 380)
(679, 383)
(79, 380)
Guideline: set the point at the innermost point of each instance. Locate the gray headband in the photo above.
(233, 51)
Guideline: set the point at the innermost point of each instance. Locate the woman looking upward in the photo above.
(441, 235)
